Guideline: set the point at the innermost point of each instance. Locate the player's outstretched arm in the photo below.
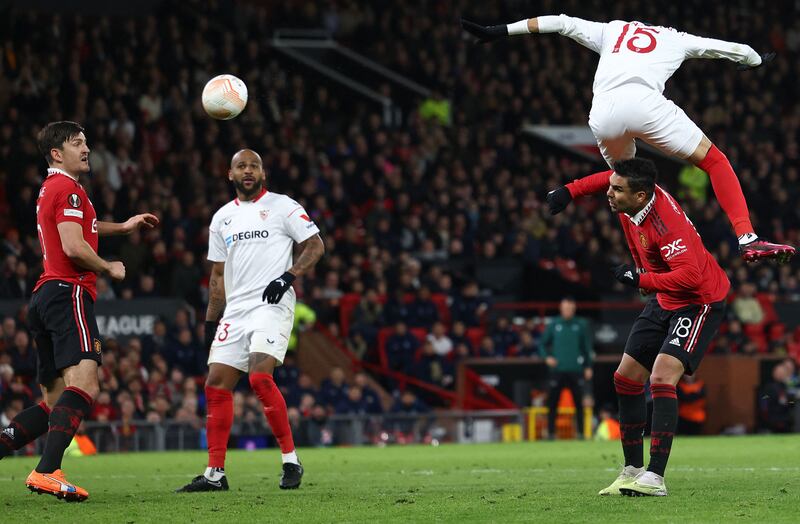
(588, 34)
(490, 33)
(145, 220)
(82, 254)
(746, 56)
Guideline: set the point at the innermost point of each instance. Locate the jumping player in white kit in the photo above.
(636, 60)
(251, 243)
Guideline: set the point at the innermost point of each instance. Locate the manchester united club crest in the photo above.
(643, 240)
(97, 346)
(263, 214)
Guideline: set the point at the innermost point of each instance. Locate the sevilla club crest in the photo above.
(263, 214)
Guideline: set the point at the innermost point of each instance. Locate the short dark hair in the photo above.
(640, 172)
(54, 134)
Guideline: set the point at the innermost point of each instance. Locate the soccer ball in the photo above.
(224, 97)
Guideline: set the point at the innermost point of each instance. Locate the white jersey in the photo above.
(255, 240)
(636, 53)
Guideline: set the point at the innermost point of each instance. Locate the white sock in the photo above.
(214, 474)
(747, 238)
(290, 457)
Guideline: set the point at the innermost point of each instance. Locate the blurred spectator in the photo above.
(422, 310)
(468, 307)
(775, 402)
(333, 389)
(746, 306)
(23, 357)
(441, 343)
(400, 348)
(503, 336)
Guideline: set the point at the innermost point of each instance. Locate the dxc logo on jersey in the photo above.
(673, 249)
(261, 234)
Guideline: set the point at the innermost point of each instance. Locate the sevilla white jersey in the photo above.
(255, 240)
(636, 53)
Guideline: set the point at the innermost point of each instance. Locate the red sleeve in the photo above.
(684, 271)
(68, 205)
(590, 184)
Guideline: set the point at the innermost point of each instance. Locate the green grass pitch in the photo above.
(735, 479)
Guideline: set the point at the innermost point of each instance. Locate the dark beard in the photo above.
(247, 194)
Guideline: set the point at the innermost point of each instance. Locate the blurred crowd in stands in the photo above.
(407, 211)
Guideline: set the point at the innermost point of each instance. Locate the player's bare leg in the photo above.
(667, 371)
(261, 368)
(73, 405)
(729, 194)
(220, 383)
(629, 382)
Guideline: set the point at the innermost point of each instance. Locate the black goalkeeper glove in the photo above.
(275, 289)
(210, 332)
(627, 274)
(558, 200)
(765, 57)
(485, 33)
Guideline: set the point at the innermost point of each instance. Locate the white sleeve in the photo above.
(299, 225)
(699, 47)
(588, 34)
(217, 251)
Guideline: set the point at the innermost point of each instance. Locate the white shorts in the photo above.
(262, 329)
(633, 111)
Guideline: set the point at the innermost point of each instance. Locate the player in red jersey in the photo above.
(636, 60)
(673, 331)
(61, 310)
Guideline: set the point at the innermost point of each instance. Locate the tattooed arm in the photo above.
(306, 254)
(216, 292)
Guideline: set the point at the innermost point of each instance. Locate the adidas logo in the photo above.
(675, 341)
(9, 432)
(629, 274)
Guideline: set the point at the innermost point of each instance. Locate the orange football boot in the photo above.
(55, 484)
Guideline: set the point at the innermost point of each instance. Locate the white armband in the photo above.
(518, 28)
(550, 24)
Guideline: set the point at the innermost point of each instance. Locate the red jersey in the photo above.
(664, 242)
(63, 199)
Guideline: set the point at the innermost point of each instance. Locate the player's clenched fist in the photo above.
(558, 200)
(627, 274)
(484, 34)
(116, 270)
(275, 289)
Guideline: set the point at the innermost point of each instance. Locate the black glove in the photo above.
(627, 274)
(275, 289)
(558, 200)
(765, 57)
(484, 34)
(211, 332)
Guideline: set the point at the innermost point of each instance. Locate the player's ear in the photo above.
(56, 155)
(230, 175)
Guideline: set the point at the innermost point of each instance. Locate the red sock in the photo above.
(218, 424)
(274, 409)
(728, 190)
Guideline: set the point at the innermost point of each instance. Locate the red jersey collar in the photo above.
(639, 217)
(256, 199)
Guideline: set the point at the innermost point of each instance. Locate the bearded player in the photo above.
(673, 331)
(251, 241)
(636, 60)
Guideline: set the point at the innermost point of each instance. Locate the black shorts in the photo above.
(683, 333)
(61, 317)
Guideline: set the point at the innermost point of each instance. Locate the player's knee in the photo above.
(260, 381)
(662, 376)
(91, 390)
